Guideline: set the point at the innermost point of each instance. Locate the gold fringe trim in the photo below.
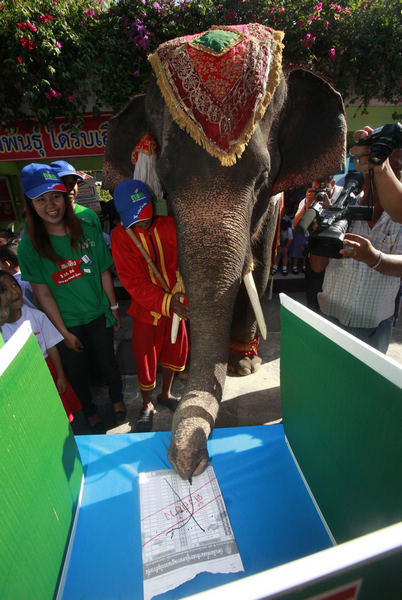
(186, 123)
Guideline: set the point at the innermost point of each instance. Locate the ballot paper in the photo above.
(185, 530)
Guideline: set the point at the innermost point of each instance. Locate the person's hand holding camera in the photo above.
(387, 184)
(361, 154)
(316, 194)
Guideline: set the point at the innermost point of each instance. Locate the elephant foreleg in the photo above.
(244, 358)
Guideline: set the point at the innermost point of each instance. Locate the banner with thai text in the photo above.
(56, 141)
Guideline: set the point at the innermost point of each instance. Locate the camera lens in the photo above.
(380, 152)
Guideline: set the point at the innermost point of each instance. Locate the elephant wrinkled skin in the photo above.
(225, 222)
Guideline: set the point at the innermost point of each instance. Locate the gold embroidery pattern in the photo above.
(220, 116)
(156, 317)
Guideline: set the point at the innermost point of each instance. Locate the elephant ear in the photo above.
(124, 132)
(312, 132)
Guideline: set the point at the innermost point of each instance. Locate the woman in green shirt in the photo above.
(67, 263)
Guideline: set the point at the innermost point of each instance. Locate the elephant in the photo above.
(225, 219)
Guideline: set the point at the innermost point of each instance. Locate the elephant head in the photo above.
(225, 222)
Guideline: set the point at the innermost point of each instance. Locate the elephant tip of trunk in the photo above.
(188, 472)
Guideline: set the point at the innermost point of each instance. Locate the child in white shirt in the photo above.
(46, 334)
(9, 263)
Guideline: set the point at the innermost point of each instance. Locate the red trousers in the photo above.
(69, 398)
(151, 344)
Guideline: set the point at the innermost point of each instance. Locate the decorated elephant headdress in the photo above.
(218, 84)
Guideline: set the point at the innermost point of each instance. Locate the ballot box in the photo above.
(314, 503)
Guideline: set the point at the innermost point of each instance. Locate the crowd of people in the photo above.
(57, 275)
(359, 290)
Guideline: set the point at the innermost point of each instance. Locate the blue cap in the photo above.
(37, 179)
(133, 202)
(64, 168)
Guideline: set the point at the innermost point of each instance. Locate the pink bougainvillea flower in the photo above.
(25, 43)
(326, 24)
(338, 8)
(32, 27)
(53, 94)
(59, 45)
(347, 11)
(332, 54)
(309, 40)
(318, 7)
(22, 26)
(19, 59)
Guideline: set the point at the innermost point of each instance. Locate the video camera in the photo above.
(327, 226)
(383, 142)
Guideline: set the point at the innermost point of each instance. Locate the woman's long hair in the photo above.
(39, 236)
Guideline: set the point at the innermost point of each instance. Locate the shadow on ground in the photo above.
(252, 400)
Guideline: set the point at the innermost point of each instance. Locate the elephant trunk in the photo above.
(213, 253)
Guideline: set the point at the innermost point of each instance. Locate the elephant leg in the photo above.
(244, 358)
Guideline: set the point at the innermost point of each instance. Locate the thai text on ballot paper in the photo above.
(185, 530)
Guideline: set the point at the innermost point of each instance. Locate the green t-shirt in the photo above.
(76, 282)
(87, 215)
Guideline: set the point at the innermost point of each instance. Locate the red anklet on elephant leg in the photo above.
(245, 348)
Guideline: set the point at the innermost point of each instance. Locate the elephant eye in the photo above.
(262, 180)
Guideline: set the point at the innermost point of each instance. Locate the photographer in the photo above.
(386, 174)
(359, 289)
(327, 192)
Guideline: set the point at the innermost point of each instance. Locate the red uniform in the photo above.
(150, 304)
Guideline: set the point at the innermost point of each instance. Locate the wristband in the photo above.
(115, 306)
(377, 264)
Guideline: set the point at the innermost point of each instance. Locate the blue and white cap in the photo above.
(133, 202)
(63, 168)
(37, 179)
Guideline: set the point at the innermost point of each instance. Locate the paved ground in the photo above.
(252, 400)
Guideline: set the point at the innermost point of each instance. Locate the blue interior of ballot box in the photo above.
(273, 517)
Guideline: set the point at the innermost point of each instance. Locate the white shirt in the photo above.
(43, 329)
(355, 294)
